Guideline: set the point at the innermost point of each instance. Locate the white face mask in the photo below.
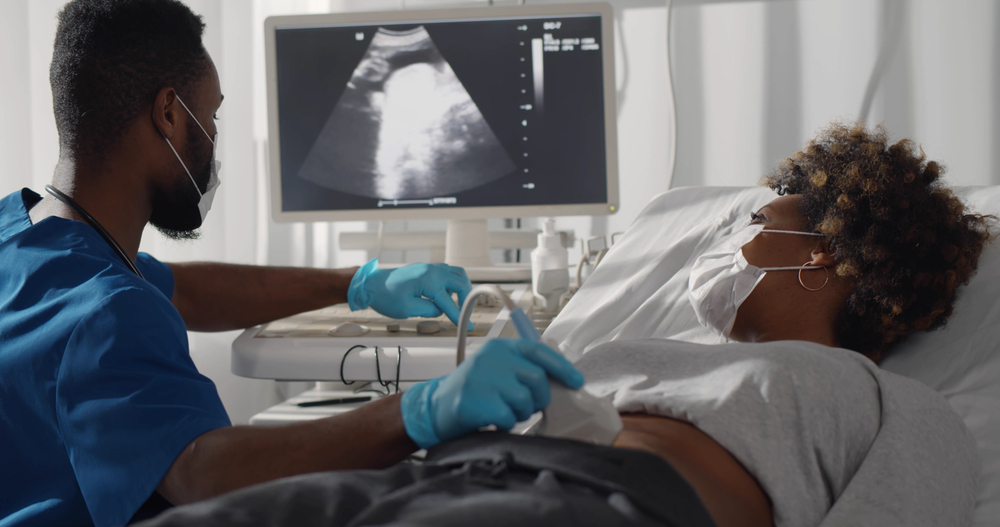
(722, 279)
(205, 203)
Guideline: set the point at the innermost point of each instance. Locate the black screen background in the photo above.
(566, 146)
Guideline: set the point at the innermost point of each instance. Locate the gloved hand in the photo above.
(418, 290)
(504, 383)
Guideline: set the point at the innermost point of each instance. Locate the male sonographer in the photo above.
(104, 419)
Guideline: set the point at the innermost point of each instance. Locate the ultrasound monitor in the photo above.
(457, 114)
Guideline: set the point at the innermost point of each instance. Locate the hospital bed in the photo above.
(640, 291)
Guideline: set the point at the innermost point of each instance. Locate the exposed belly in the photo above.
(730, 494)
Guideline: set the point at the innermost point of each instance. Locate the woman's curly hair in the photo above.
(894, 228)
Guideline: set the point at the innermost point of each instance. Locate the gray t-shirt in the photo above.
(799, 416)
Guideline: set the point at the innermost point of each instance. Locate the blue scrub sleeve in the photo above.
(128, 400)
(156, 273)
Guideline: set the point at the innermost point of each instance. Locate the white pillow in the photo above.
(640, 291)
(962, 360)
(640, 288)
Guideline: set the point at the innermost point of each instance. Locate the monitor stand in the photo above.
(467, 244)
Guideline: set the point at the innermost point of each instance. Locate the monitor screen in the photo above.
(483, 111)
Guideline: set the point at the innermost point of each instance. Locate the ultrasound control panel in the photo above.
(338, 321)
(336, 344)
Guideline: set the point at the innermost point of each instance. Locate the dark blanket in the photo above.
(482, 480)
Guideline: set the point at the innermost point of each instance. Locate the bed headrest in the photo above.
(640, 291)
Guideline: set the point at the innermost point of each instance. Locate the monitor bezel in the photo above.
(271, 24)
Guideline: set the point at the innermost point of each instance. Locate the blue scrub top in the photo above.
(98, 393)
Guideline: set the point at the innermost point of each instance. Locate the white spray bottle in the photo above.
(549, 268)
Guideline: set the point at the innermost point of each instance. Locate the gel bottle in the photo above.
(549, 268)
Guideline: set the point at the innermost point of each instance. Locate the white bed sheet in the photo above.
(640, 291)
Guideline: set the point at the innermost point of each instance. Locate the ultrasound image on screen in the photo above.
(461, 113)
(405, 128)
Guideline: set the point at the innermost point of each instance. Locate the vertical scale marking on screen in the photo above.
(538, 74)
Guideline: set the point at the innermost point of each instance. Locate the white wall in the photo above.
(754, 80)
(15, 96)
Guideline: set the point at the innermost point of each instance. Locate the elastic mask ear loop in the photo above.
(807, 266)
(196, 121)
(804, 266)
(182, 164)
(175, 150)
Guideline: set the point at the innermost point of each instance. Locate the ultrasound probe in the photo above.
(571, 414)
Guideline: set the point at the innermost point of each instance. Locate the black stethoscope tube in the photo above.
(56, 193)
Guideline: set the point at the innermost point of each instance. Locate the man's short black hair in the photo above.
(111, 58)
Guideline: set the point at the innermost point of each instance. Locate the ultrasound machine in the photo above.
(455, 114)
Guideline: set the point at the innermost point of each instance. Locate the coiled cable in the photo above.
(378, 372)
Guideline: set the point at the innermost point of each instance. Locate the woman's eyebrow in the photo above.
(768, 206)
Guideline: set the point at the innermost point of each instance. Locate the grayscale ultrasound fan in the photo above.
(405, 127)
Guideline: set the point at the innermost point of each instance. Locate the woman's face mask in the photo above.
(722, 279)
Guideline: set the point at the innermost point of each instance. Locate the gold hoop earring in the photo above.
(807, 288)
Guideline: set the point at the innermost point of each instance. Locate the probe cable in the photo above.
(470, 303)
(344, 359)
(378, 371)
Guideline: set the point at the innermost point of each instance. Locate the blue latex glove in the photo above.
(418, 290)
(504, 383)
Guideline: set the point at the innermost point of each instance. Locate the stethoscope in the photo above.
(56, 193)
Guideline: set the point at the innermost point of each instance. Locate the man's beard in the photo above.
(175, 210)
